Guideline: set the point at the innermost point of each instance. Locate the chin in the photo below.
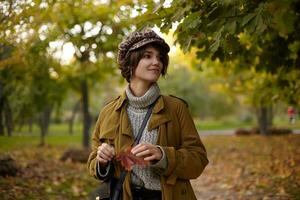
(150, 79)
(153, 80)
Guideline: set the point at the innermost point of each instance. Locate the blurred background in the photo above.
(236, 64)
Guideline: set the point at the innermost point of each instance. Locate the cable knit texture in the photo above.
(137, 110)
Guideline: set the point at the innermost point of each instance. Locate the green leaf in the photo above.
(215, 45)
(187, 45)
(192, 20)
(260, 27)
(248, 18)
(231, 27)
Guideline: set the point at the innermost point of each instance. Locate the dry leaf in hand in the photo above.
(128, 160)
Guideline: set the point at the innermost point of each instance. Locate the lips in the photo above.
(155, 70)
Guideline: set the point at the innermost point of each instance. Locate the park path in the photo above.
(229, 132)
(210, 186)
(214, 183)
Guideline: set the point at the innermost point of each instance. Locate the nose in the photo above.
(156, 61)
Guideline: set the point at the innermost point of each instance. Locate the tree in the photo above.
(47, 87)
(28, 74)
(93, 29)
(263, 35)
(9, 55)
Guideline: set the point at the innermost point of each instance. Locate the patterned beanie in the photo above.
(139, 39)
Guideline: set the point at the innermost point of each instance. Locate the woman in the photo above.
(169, 142)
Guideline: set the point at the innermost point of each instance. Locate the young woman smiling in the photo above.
(169, 142)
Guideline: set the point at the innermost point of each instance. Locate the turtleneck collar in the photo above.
(144, 101)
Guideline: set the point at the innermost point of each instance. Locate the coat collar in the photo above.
(159, 114)
(159, 105)
(120, 101)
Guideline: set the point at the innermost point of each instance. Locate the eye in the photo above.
(147, 56)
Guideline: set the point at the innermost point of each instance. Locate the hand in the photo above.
(148, 151)
(105, 153)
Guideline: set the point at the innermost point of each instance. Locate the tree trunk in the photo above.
(30, 125)
(44, 121)
(86, 114)
(8, 118)
(1, 110)
(72, 118)
(270, 116)
(1, 120)
(264, 119)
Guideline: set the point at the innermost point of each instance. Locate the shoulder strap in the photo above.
(118, 189)
(144, 123)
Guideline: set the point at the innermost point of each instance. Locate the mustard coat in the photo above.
(178, 136)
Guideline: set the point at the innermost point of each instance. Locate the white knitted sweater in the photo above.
(137, 109)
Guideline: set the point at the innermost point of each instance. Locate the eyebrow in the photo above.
(151, 52)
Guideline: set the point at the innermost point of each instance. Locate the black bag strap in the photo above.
(144, 123)
(118, 189)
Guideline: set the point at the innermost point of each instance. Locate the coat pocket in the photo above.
(183, 190)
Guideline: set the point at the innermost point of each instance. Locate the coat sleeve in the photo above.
(101, 173)
(189, 159)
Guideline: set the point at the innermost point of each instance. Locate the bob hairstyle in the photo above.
(133, 58)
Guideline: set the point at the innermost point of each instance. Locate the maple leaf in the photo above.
(128, 160)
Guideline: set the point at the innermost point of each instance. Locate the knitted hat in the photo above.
(139, 39)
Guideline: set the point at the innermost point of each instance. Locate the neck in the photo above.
(139, 89)
(142, 102)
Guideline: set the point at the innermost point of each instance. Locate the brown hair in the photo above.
(133, 58)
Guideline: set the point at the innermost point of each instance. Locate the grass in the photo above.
(21, 141)
(57, 135)
(228, 124)
(220, 125)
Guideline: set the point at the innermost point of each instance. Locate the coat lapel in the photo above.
(159, 115)
(125, 126)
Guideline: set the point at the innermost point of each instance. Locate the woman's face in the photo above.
(149, 67)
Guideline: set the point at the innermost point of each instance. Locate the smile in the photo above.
(155, 70)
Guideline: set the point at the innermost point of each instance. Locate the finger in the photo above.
(139, 148)
(105, 153)
(150, 158)
(107, 150)
(156, 154)
(104, 156)
(102, 160)
(144, 153)
(133, 150)
(105, 145)
(110, 148)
